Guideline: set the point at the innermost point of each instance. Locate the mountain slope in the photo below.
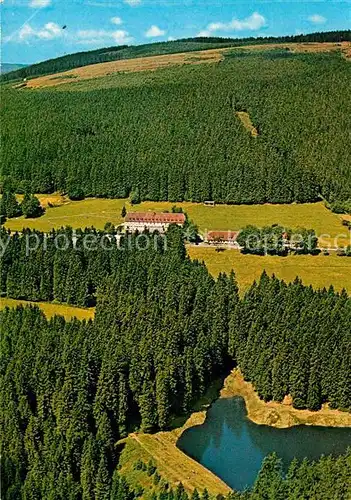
(175, 134)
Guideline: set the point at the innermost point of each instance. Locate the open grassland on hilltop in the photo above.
(174, 466)
(319, 271)
(129, 65)
(97, 211)
(152, 63)
(51, 309)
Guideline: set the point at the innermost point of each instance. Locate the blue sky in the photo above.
(32, 29)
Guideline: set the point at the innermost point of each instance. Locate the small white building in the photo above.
(151, 221)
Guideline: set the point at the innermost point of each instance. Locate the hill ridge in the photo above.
(113, 53)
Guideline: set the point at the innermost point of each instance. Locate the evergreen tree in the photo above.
(269, 483)
(31, 207)
(102, 485)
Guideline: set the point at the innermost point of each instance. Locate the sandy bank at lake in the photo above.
(280, 415)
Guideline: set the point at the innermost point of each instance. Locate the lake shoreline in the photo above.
(279, 415)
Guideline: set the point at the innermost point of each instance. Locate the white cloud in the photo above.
(132, 3)
(252, 23)
(120, 37)
(116, 20)
(52, 30)
(25, 32)
(317, 19)
(48, 32)
(154, 32)
(39, 4)
(205, 33)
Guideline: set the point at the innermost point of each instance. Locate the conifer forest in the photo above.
(177, 136)
(164, 330)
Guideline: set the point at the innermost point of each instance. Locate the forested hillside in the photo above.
(174, 135)
(164, 329)
(106, 54)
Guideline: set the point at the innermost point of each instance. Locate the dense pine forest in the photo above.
(174, 134)
(164, 329)
(107, 54)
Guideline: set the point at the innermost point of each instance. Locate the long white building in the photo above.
(151, 221)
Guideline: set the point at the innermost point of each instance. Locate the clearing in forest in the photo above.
(319, 271)
(245, 119)
(50, 310)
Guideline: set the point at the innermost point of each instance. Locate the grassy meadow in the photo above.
(50, 309)
(97, 211)
(319, 271)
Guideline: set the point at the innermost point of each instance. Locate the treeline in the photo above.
(290, 339)
(30, 206)
(68, 265)
(319, 36)
(277, 240)
(79, 59)
(182, 141)
(70, 390)
(164, 329)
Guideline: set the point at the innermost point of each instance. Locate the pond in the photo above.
(233, 447)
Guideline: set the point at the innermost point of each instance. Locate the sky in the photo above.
(32, 30)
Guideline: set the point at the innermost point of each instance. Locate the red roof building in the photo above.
(216, 237)
(152, 221)
(155, 217)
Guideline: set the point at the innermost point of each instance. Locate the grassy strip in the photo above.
(247, 123)
(280, 415)
(50, 309)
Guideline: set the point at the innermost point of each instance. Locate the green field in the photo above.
(318, 271)
(97, 211)
(50, 310)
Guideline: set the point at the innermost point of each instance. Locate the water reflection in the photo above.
(233, 447)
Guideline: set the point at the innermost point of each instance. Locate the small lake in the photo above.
(233, 447)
